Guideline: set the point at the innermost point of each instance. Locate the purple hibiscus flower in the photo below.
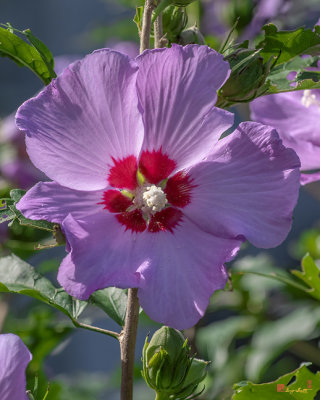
(14, 358)
(295, 115)
(145, 192)
(16, 167)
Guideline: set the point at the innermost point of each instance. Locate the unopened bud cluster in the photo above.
(174, 20)
(248, 74)
(167, 366)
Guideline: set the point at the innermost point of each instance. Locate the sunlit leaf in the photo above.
(286, 45)
(300, 384)
(278, 81)
(280, 52)
(42, 49)
(35, 56)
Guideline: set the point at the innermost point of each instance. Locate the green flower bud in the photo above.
(191, 36)
(167, 365)
(174, 20)
(248, 74)
(196, 374)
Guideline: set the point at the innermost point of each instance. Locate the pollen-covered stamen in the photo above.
(154, 198)
(309, 99)
(150, 199)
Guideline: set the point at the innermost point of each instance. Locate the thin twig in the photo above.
(146, 25)
(78, 324)
(128, 343)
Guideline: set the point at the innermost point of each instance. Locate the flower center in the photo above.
(154, 199)
(145, 196)
(149, 200)
(309, 99)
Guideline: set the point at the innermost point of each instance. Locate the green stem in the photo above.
(161, 396)
(95, 329)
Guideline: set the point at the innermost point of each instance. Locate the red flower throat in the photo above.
(145, 197)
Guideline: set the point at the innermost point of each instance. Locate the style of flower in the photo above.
(145, 192)
(14, 358)
(296, 116)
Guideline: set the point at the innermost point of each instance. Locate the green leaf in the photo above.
(308, 242)
(42, 49)
(310, 274)
(138, 18)
(300, 324)
(281, 389)
(44, 225)
(16, 195)
(309, 75)
(281, 277)
(6, 214)
(35, 56)
(112, 301)
(280, 53)
(286, 45)
(278, 82)
(17, 276)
